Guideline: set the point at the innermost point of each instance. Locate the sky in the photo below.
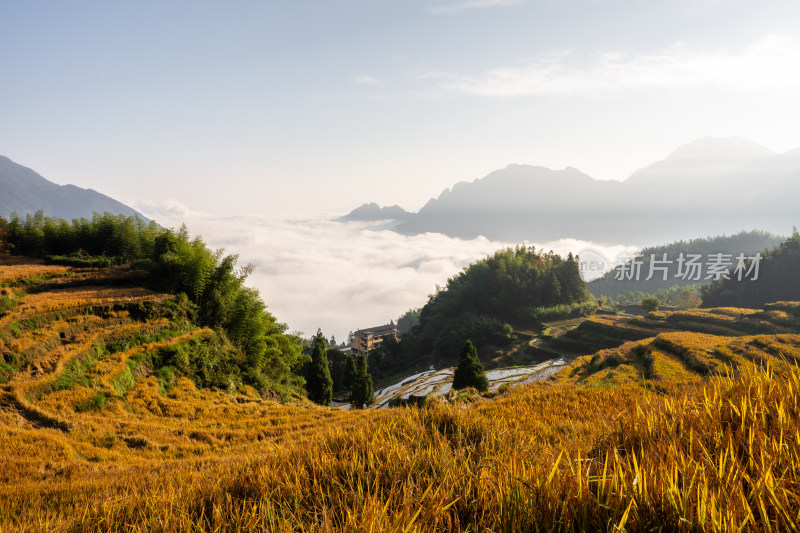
(274, 108)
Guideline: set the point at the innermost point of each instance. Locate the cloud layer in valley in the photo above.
(316, 272)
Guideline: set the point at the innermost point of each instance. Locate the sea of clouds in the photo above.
(316, 272)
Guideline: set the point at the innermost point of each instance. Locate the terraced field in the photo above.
(92, 438)
(439, 382)
(686, 344)
(609, 331)
(78, 401)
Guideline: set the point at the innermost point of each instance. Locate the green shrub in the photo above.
(94, 404)
(83, 261)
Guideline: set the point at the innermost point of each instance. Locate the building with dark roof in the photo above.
(365, 340)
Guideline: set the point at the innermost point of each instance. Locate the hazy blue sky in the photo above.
(277, 106)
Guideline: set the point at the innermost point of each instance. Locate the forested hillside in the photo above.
(209, 286)
(778, 279)
(746, 242)
(483, 303)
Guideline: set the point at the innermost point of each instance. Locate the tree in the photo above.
(4, 244)
(337, 362)
(470, 370)
(349, 373)
(649, 304)
(362, 393)
(320, 384)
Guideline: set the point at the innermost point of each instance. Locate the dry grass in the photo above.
(713, 455)
(719, 453)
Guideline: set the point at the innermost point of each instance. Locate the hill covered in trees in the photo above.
(207, 288)
(484, 303)
(778, 279)
(746, 242)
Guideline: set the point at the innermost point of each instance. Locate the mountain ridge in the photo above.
(373, 212)
(25, 192)
(722, 185)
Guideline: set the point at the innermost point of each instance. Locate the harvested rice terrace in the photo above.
(72, 364)
(650, 432)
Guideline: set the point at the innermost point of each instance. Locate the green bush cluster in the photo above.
(84, 261)
(209, 361)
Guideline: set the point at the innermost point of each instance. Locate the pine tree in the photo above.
(319, 384)
(349, 373)
(362, 393)
(470, 370)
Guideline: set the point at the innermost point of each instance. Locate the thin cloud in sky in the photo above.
(364, 79)
(473, 4)
(765, 65)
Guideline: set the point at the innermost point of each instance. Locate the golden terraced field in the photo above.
(91, 440)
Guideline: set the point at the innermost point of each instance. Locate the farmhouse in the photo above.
(368, 339)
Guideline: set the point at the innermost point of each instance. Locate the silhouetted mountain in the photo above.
(707, 159)
(373, 211)
(709, 186)
(23, 191)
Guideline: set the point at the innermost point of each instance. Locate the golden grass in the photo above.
(12, 273)
(708, 455)
(675, 452)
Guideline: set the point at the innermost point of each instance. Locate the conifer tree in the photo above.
(362, 393)
(319, 384)
(349, 373)
(470, 370)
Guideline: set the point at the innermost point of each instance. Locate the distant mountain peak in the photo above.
(708, 186)
(369, 212)
(720, 147)
(705, 158)
(24, 192)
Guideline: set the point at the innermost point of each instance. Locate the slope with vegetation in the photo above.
(99, 434)
(670, 290)
(715, 455)
(498, 302)
(209, 289)
(608, 331)
(139, 397)
(777, 280)
(685, 344)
